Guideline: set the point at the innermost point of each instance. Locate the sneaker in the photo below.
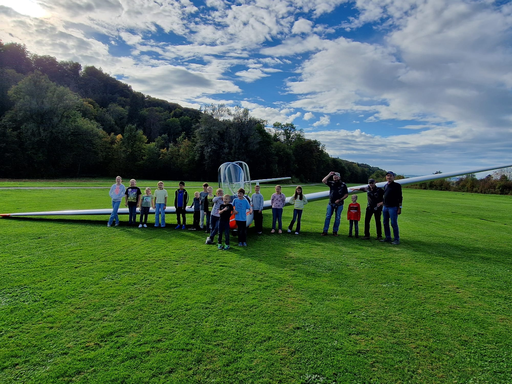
(240, 245)
(324, 233)
(273, 231)
(226, 247)
(145, 225)
(183, 227)
(140, 225)
(117, 224)
(279, 231)
(108, 225)
(244, 244)
(156, 225)
(192, 229)
(296, 233)
(385, 240)
(178, 227)
(335, 233)
(289, 230)
(259, 233)
(395, 242)
(379, 238)
(208, 240)
(219, 247)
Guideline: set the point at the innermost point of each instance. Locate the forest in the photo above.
(58, 119)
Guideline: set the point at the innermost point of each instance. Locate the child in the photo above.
(354, 215)
(196, 203)
(145, 203)
(225, 211)
(132, 200)
(207, 206)
(298, 200)
(257, 206)
(180, 203)
(116, 192)
(203, 195)
(277, 200)
(160, 203)
(214, 218)
(241, 205)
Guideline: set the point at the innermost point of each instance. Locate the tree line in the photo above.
(498, 184)
(58, 119)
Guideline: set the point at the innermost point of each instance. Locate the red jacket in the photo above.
(354, 212)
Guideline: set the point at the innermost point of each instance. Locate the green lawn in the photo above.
(80, 302)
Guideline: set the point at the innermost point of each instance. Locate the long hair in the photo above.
(297, 194)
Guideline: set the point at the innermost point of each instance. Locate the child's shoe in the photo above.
(296, 233)
(219, 247)
(226, 247)
(140, 225)
(273, 231)
(183, 227)
(178, 227)
(289, 230)
(245, 244)
(240, 245)
(279, 231)
(208, 240)
(145, 225)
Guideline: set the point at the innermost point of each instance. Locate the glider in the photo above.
(235, 175)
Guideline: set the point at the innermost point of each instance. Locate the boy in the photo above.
(241, 206)
(225, 211)
(160, 203)
(203, 195)
(354, 215)
(257, 206)
(214, 218)
(132, 200)
(196, 203)
(180, 203)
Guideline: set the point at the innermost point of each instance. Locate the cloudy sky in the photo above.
(414, 86)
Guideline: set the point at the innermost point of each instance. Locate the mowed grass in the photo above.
(80, 302)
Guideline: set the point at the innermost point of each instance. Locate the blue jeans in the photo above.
(224, 230)
(277, 214)
(391, 213)
(113, 215)
(297, 214)
(214, 221)
(336, 209)
(132, 213)
(159, 210)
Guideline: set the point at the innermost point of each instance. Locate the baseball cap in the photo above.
(390, 173)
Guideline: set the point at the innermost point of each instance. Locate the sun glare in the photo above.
(26, 7)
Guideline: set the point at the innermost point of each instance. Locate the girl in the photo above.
(298, 200)
(116, 192)
(145, 203)
(277, 200)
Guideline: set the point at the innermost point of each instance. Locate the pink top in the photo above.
(277, 200)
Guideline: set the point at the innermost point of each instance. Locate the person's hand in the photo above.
(399, 211)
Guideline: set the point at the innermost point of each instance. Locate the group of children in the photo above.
(213, 213)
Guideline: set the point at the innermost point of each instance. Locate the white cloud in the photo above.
(302, 26)
(271, 115)
(308, 116)
(324, 120)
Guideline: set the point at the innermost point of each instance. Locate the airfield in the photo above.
(80, 302)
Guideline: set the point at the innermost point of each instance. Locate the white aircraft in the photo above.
(235, 175)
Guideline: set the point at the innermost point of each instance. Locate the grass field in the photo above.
(80, 302)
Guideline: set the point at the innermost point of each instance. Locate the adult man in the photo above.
(337, 194)
(392, 208)
(374, 207)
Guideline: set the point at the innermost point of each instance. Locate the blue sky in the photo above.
(414, 86)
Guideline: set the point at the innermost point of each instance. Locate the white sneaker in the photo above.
(140, 225)
(289, 230)
(296, 233)
(145, 225)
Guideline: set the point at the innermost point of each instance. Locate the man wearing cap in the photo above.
(374, 207)
(392, 208)
(337, 194)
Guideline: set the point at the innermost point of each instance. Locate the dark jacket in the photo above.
(392, 195)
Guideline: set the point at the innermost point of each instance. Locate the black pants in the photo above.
(224, 230)
(181, 211)
(258, 221)
(197, 216)
(369, 212)
(144, 215)
(242, 231)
